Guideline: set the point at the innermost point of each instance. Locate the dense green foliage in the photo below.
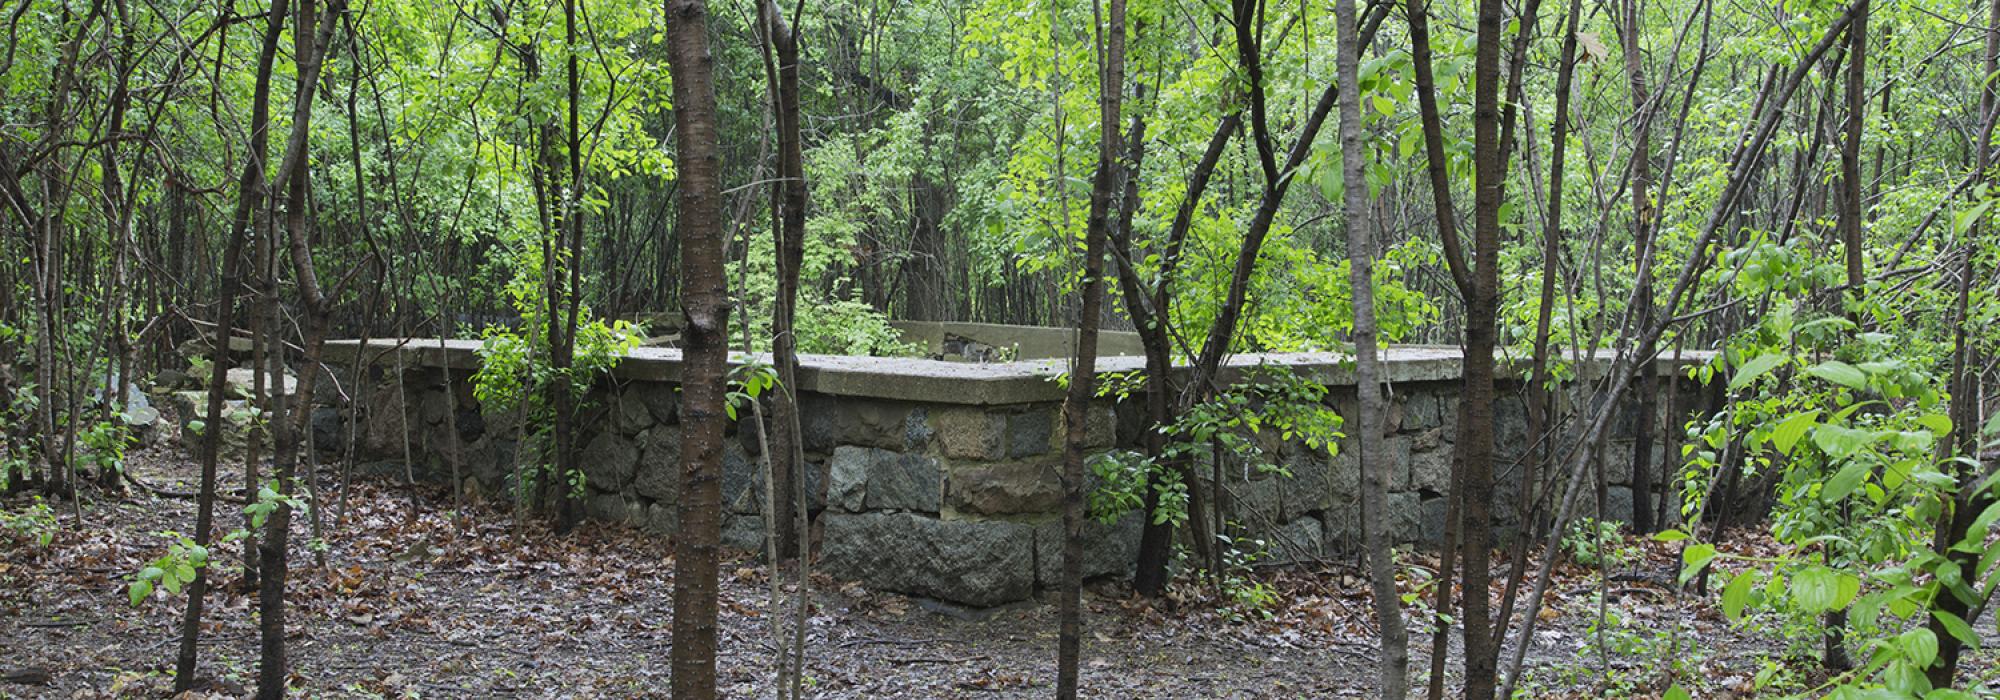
(948, 146)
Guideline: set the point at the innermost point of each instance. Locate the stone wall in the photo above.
(943, 482)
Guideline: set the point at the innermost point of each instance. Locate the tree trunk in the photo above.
(250, 192)
(1472, 454)
(704, 300)
(789, 210)
(1954, 522)
(1395, 661)
(1152, 315)
(1104, 191)
(312, 35)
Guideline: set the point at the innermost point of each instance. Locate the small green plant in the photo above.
(269, 498)
(1593, 543)
(516, 375)
(36, 523)
(1247, 596)
(176, 569)
(172, 570)
(104, 446)
(747, 382)
(200, 367)
(1269, 398)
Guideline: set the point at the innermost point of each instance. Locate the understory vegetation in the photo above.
(1790, 205)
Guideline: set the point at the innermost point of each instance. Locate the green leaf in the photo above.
(1957, 627)
(1757, 366)
(1787, 434)
(1670, 535)
(1849, 588)
(1840, 373)
(1938, 423)
(1676, 693)
(1984, 523)
(1694, 559)
(1815, 588)
(1919, 646)
(1736, 595)
(1844, 482)
(138, 592)
(1905, 677)
(1840, 442)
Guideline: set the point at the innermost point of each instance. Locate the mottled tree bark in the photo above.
(1393, 673)
(250, 192)
(1104, 190)
(705, 302)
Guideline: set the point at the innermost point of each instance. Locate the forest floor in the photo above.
(417, 599)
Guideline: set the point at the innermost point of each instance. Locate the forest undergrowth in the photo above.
(416, 599)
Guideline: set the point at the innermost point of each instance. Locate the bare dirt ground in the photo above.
(416, 599)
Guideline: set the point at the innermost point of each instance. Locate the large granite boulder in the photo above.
(974, 563)
(1300, 540)
(827, 422)
(630, 414)
(242, 380)
(864, 478)
(1108, 550)
(1004, 488)
(609, 462)
(1430, 462)
(192, 406)
(658, 474)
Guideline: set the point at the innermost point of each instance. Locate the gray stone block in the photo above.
(1432, 521)
(615, 508)
(1405, 516)
(1257, 501)
(630, 415)
(1395, 460)
(974, 563)
(1510, 423)
(662, 519)
(658, 475)
(609, 462)
(1423, 410)
(847, 479)
(433, 406)
(1311, 489)
(1301, 540)
(743, 533)
(1005, 488)
(661, 400)
(740, 475)
(826, 422)
(1108, 550)
(241, 380)
(1344, 470)
(1031, 433)
(1618, 504)
(970, 433)
(886, 480)
(1616, 461)
(1342, 525)
(906, 482)
(1430, 468)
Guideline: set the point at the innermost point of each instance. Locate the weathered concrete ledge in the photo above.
(941, 478)
(993, 341)
(972, 383)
